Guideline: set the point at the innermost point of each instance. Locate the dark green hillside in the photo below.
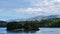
(54, 22)
(26, 25)
(33, 25)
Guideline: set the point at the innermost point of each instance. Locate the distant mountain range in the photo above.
(37, 18)
(44, 17)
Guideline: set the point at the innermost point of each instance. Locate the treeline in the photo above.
(3, 23)
(54, 22)
(33, 25)
(26, 25)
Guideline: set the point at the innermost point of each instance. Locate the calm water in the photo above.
(41, 31)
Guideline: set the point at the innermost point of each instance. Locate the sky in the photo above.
(23, 9)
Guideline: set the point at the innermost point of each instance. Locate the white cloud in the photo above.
(50, 7)
(57, 0)
(39, 7)
(28, 10)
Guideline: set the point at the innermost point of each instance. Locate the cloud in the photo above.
(57, 0)
(29, 10)
(41, 7)
(12, 9)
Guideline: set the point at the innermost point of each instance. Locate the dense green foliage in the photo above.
(33, 25)
(54, 22)
(26, 25)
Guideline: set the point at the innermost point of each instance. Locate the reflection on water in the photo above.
(41, 31)
(21, 32)
(3, 31)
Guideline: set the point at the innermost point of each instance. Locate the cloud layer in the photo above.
(36, 7)
(12, 9)
(41, 7)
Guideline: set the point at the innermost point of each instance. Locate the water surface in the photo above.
(41, 31)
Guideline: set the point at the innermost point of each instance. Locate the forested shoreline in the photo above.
(31, 25)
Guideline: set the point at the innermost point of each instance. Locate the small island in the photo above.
(22, 25)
